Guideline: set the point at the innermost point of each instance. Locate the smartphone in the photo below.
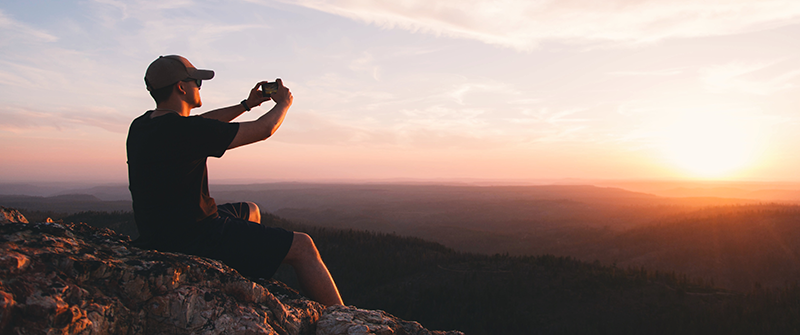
(268, 88)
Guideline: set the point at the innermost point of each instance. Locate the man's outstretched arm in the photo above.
(267, 124)
(227, 114)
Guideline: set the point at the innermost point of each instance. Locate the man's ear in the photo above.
(180, 89)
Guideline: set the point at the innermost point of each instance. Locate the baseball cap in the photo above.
(167, 70)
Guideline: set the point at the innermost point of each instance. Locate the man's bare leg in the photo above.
(315, 280)
(255, 213)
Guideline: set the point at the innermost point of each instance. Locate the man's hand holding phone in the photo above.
(279, 93)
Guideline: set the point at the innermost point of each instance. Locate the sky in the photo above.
(418, 90)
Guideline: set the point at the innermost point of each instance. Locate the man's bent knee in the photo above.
(302, 249)
(255, 213)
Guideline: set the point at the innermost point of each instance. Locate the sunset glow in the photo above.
(386, 90)
(710, 145)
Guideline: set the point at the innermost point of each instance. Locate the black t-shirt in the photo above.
(167, 172)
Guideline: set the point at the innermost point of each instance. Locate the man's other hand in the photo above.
(256, 98)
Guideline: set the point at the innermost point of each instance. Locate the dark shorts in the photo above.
(251, 248)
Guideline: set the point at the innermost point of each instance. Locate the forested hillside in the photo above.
(738, 247)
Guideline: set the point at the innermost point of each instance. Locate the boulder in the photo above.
(8, 215)
(72, 278)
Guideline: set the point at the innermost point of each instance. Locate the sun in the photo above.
(709, 145)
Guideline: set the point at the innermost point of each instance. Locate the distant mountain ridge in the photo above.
(762, 191)
(65, 203)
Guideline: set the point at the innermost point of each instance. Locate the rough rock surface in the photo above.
(64, 278)
(353, 321)
(11, 215)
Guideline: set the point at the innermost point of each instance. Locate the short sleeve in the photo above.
(199, 137)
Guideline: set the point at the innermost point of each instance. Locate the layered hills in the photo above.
(736, 243)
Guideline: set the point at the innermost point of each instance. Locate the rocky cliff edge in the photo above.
(72, 278)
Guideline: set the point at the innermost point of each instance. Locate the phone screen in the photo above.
(269, 88)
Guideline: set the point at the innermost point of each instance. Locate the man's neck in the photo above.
(167, 107)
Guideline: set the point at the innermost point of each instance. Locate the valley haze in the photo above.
(768, 191)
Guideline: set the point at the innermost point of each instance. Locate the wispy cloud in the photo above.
(523, 24)
(138, 8)
(440, 126)
(546, 115)
(438, 112)
(22, 75)
(19, 119)
(735, 76)
(15, 32)
(463, 91)
(661, 73)
(366, 63)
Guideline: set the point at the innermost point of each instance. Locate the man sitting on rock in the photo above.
(167, 152)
